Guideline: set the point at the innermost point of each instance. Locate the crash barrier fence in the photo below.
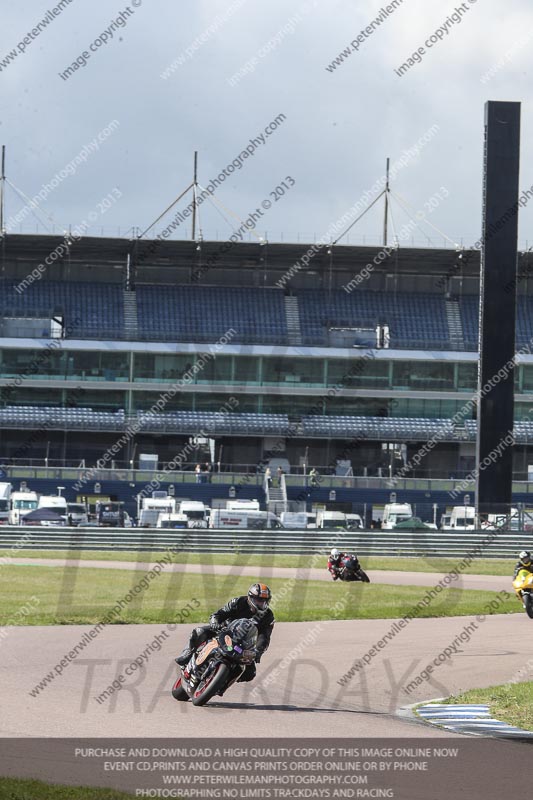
(429, 544)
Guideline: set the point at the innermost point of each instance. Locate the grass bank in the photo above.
(485, 566)
(66, 595)
(17, 789)
(512, 702)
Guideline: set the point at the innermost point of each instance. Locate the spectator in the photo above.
(268, 476)
(313, 475)
(197, 470)
(279, 474)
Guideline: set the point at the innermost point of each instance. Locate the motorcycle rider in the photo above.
(335, 562)
(524, 562)
(254, 606)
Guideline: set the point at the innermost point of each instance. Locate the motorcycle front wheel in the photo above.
(178, 692)
(209, 687)
(528, 603)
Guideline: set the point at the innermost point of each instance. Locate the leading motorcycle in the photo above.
(351, 570)
(523, 586)
(217, 663)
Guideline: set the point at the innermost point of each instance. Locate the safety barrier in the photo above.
(423, 544)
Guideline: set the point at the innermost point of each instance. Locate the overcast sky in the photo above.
(339, 126)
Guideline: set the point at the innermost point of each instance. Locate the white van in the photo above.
(54, 502)
(247, 520)
(173, 521)
(330, 520)
(21, 504)
(5, 497)
(196, 512)
(243, 505)
(354, 521)
(296, 520)
(462, 518)
(393, 513)
(77, 514)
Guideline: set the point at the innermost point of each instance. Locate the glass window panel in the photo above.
(527, 373)
(431, 375)
(467, 377)
(246, 369)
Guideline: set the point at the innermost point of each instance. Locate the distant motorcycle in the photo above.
(218, 663)
(523, 586)
(351, 570)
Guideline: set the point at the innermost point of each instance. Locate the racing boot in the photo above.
(184, 657)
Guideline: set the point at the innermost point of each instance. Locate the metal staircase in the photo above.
(276, 497)
(130, 314)
(292, 315)
(455, 325)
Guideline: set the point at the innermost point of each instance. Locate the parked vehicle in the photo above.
(243, 505)
(311, 519)
(54, 502)
(111, 515)
(246, 520)
(330, 520)
(217, 663)
(393, 513)
(461, 518)
(22, 502)
(354, 521)
(173, 521)
(196, 512)
(149, 508)
(77, 514)
(294, 520)
(5, 498)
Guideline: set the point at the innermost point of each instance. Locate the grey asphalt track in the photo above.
(296, 693)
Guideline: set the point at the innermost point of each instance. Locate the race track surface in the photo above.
(303, 699)
(298, 690)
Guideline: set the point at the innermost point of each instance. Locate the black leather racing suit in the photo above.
(238, 608)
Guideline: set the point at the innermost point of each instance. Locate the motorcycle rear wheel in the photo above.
(364, 577)
(178, 692)
(210, 687)
(528, 603)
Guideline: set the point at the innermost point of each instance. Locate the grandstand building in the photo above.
(112, 348)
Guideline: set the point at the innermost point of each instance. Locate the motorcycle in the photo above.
(351, 570)
(523, 586)
(217, 663)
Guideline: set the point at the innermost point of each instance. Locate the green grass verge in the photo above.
(512, 702)
(486, 566)
(66, 595)
(17, 789)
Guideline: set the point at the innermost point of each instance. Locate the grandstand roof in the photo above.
(153, 257)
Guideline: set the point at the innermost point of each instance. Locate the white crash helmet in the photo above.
(335, 553)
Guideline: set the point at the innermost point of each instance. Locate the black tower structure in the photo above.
(497, 310)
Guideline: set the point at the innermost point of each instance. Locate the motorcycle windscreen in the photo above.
(243, 633)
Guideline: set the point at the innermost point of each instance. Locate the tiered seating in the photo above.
(206, 313)
(378, 427)
(469, 308)
(414, 320)
(179, 421)
(90, 310)
(74, 418)
(524, 321)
